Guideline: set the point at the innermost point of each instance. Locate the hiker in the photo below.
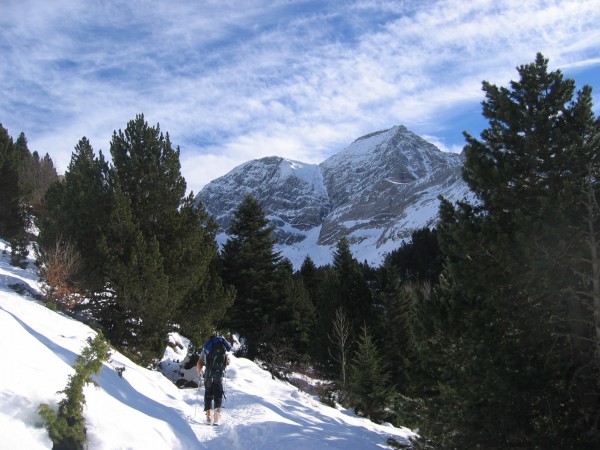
(214, 359)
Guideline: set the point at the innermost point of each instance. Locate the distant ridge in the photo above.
(375, 192)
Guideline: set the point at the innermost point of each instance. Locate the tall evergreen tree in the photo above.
(11, 212)
(207, 299)
(504, 346)
(311, 278)
(160, 250)
(352, 291)
(393, 321)
(149, 255)
(343, 286)
(42, 175)
(419, 260)
(368, 383)
(23, 155)
(13, 207)
(78, 209)
(295, 314)
(250, 265)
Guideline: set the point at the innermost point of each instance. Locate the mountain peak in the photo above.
(375, 192)
(394, 130)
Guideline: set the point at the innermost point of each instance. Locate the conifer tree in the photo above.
(419, 260)
(23, 155)
(352, 291)
(208, 298)
(149, 254)
(66, 427)
(13, 208)
(311, 278)
(11, 212)
(368, 384)
(393, 325)
(250, 264)
(78, 209)
(499, 336)
(295, 314)
(159, 249)
(342, 286)
(42, 173)
(35, 176)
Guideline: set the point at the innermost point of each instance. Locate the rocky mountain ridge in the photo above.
(375, 192)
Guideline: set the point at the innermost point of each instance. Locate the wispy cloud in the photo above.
(298, 78)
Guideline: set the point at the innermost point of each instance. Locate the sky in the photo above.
(232, 81)
(143, 409)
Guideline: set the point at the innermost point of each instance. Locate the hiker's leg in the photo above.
(209, 394)
(218, 393)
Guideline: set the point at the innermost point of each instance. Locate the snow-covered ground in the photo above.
(143, 409)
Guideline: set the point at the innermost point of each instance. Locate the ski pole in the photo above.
(197, 400)
(197, 395)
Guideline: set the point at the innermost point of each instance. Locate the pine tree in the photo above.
(352, 291)
(159, 249)
(499, 336)
(419, 260)
(66, 427)
(249, 264)
(368, 384)
(296, 313)
(78, 209)
(311, 278)
(341, 285)
(149, 255)
(11, 212)
(393, 325)
(208, 298)
(42, 173)
(13, 208)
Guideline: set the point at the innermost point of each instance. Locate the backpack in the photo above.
(216, 361)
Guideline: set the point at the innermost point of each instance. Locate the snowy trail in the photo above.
(261, 413)
(143, 409)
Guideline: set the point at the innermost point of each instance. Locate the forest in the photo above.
(483, 332)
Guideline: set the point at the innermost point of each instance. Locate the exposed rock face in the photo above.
(292, 194)
(375, 192)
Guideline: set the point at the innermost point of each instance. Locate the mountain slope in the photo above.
(143, 409)
(375, 192)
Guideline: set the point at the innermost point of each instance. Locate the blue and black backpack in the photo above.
(216, 361)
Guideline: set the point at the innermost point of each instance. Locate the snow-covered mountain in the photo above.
(375, 192)
(142, 409)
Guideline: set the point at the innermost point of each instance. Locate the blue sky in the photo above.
(237, 80)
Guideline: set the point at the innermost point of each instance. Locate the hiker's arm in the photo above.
(199, 365)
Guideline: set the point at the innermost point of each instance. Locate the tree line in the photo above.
(483, 332)
(24, 180)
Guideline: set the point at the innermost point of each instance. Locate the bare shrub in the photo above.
(59, 265)
(276, 359)
(340, 339)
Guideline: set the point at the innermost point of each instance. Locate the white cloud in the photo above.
(300, 79)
